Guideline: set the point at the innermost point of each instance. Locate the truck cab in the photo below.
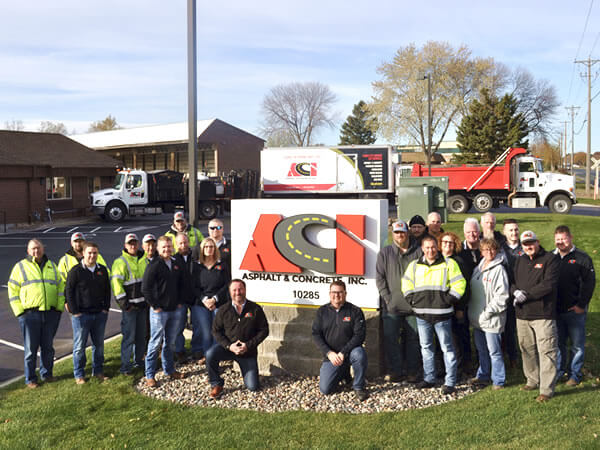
(129, 189)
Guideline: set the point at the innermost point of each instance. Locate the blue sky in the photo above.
(76, 62)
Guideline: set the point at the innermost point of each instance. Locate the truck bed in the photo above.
(461, 178)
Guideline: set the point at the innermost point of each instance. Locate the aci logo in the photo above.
(303, 169)
(280, 245)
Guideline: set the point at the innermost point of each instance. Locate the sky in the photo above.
(76, 62)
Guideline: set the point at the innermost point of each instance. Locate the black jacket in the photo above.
(224, 250)
(211, 282)
(339, 331)
(538, 278)
(86, 291)
(576, 281)
(251, 327)
(187, 287)
(162, 287)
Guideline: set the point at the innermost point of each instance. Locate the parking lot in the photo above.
(56, 239)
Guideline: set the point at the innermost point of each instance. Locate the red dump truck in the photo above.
(516, 179)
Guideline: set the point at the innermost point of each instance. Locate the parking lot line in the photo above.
(49, 229)
(10, 344)
(95, 229)
(72, 229)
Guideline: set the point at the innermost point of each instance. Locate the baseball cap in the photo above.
(528, 236)
(148, 237)
(400, 226)
(77, 237)
(178, 216)
(131, 237)
(416, 220)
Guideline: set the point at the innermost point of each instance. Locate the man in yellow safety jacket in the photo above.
(180, 225)
(36, 295)
(74, 255)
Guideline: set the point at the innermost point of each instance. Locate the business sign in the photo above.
(289, 250)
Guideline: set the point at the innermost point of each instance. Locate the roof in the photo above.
(419, 157)
(129, 137)
(25, 148)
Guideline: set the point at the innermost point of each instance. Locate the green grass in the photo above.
(113, 415)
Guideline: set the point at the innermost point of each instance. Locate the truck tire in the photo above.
(560, 204)
(115, 211)
(458, 204)
(483, 202)
(208, 210)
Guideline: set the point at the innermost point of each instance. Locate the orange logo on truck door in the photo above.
(280, 245)
(303, 169)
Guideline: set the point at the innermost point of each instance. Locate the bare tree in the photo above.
(110, 123)
(297, 111)
(14, 125)
(53, 127)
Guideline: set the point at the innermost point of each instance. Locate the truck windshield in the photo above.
(120, 178)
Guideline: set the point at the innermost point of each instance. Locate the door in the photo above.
(134, 190)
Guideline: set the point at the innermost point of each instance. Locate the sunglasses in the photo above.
(218, 227)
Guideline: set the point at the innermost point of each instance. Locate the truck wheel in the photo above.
(208, 210)
(560, 204)
(115, 211)
(458, 204)
(483, 202)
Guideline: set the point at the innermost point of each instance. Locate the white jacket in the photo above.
(489, 296)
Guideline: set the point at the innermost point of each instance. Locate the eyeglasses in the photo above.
(218, 227)
(337, 292)
(491, 250)
(448, 242)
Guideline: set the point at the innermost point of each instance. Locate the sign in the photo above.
(288, 251)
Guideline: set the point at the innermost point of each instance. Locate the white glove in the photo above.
(520, 297)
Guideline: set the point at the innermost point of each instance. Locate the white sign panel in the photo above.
(289, 250)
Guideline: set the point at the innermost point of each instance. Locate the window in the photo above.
(93, 184)
(133, 182)
(526, 167)
(58, 188)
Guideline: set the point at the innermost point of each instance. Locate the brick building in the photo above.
(47, 171)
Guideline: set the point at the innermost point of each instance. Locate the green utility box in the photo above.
(421, 195)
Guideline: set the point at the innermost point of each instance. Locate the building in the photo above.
(221, 147)
(414, 154)
(43, 173)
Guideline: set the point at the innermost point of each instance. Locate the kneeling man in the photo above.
(339, 331)
(239, 327)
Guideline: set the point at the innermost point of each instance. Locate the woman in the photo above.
(487, 314)
(210, 278)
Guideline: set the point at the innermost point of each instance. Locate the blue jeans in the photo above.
(571, 326)
(164, 327)
(133, 328)
(331, 375)
(443, 330)
(401, 344)
(202, 319)
(491, 361)
(93, 325)
(38, 329)
(247, 364)
(180, 338)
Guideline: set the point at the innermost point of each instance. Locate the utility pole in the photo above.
(563, 160)
(192, 112)
(572, 110)
(588, 63)
(429, 136)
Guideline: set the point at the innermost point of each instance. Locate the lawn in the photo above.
(113, 415)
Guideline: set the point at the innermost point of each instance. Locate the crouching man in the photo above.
(239, 327)
(339, 331)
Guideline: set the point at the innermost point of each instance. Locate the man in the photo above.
(470, 251)
(417, 228)
(184, 256)
(149, 246)
(432, 285)
(74, 255)
(488, 228)
(536, 278)
(126, 280)
(401, 338)
(239, 327)
(161, 287)
(215, 231)
(339, 330)
(180, 225)
(512, 250)
(434, 224)
(575, 288)
(36, 295)
(88, 295)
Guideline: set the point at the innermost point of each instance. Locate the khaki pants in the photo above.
(538, 340)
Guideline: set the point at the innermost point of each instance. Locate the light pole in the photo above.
(428, 78)
(192, 112)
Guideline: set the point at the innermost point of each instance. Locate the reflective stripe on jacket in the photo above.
(126, 279)
(31, 287)
(68, 261)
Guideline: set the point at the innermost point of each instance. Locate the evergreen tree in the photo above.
(360, 127)
(490, 127)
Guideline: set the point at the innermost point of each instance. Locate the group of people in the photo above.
(502, 286)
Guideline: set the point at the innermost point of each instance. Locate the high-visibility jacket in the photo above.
(193, 234)
(69, 260)
(32, 287)
(126, 279)
(433, 289)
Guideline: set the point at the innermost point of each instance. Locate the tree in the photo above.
(14, 125)
(548, 153)
(53, 127)
(360, 127)
(298, 111)
(400, 101)
(110, 123)
(490, 126)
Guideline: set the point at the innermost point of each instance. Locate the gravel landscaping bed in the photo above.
(292, 393)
